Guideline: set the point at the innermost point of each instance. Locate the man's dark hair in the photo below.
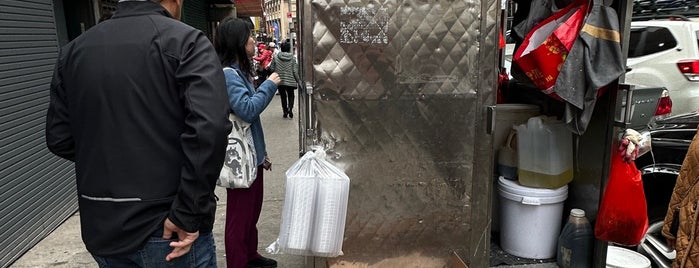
(231, 36)
(286, 47)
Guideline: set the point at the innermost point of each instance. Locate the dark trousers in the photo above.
(287, 94)
(201, 255)
(243, 207)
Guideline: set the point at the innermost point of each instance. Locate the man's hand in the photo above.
(184, 243)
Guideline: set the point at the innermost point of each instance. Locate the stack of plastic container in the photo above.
(315, 208)
(297, 214)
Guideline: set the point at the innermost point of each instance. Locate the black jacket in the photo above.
(139, 102)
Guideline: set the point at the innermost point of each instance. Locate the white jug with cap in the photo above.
(545, 149)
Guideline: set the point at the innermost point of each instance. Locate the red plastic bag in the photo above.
(622, 217)
(546, 46)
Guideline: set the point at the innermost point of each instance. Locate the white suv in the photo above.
(665, 53)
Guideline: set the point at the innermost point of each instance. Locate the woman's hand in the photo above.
(267, 164)
(274, 77)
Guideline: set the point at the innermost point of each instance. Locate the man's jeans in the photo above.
(202, 254)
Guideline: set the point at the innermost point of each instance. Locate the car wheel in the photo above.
(654, 246)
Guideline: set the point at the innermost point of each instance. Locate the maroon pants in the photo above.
(243, 208)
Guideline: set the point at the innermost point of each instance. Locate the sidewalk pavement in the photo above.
(63, 248)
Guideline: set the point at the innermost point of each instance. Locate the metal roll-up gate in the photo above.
(37, 189)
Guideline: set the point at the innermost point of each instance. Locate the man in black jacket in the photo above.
(139, 103)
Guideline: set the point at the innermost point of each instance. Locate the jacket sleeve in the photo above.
(206, 127)
(273, 64)
(59, 138)
(259, 57)
(267, 58)
(683, 187)
(245, 105)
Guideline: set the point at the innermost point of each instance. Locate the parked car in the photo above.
(665, 53)
(646, 7)
(670, 138)
(648, 103)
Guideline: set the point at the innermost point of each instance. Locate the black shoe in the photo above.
(284, 115)
(262, 262)
(291, 114)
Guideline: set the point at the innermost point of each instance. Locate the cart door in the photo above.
(396, 92)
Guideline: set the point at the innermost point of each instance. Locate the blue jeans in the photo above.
(202, 254)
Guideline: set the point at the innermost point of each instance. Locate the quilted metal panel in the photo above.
(398, 91)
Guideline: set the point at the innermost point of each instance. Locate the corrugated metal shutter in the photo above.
(37, 189)
(195, 14)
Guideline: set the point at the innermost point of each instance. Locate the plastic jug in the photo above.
(545, 150)
(575, 242)
(507, 158)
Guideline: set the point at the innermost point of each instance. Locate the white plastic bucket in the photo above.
(530, 219)
(507, 115)
(623, 258)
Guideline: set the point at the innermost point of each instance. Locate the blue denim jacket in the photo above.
(248, 103)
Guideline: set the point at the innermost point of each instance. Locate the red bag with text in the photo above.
(622, 217)
(545, 47)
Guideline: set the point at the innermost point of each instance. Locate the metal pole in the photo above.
(291, 27)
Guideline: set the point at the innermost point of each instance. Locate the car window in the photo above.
(696, 34)
(650, 40)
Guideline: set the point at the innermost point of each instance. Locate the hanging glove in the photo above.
(628, 146)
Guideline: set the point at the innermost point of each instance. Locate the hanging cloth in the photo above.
(594, 61)
(538, 11)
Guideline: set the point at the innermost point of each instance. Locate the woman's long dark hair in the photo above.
(231, 36)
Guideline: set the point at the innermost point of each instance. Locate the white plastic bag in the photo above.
(315, 208)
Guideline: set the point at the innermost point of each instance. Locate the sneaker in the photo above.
(261, 262)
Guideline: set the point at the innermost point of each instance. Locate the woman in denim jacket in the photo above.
(235, 47)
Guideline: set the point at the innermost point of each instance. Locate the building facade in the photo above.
(280, 18)
(37, 189)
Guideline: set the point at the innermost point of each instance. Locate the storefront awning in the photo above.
(248, 8)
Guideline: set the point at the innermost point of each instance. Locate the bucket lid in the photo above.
(623, 258)
(531, 196)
